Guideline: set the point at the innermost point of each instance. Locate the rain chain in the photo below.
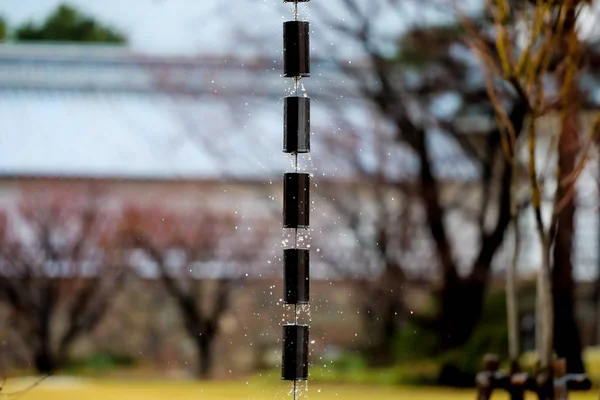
(296, 197)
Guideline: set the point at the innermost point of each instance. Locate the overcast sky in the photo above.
(206, 26)
(163, 26)
(217, 26)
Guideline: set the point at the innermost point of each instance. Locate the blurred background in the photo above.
(141, 196)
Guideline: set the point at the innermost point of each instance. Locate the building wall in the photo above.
(179, 194)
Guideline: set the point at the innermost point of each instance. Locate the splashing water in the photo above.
(298, 391)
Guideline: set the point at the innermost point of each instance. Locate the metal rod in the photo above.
(296, 234)
(296, 86)
(296, 170)
(296, 323)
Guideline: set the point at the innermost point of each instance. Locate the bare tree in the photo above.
(57, 261)
(534, 44)
(370, 230)
(388, 84)
(200, 258)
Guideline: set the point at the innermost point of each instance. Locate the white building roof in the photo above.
(98, 111)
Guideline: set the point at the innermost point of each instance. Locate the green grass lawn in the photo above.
(62, 388)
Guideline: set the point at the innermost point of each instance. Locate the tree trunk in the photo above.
(461, 299)
(205, 355)
(45, 362)
(567, 342)
(461, 308)
(596, 337)
(545, 306)
(512, 306)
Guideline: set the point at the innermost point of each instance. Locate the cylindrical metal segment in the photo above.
(296, 125)
(296, 276)
(296, 50)
(296, 200)
(295, 353)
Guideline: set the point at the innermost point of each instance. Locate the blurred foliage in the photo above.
(348, 363)
(68, 24)
(417, 359)
(459, 366)
(99, 362)
(3, 29)
(414, 343)
(425, 45)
